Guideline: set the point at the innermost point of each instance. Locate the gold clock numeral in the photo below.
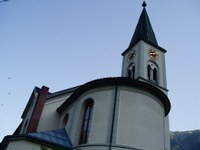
(131, 55)
(153, 54)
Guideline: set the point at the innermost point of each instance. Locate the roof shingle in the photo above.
(143, 31)
(57, 137)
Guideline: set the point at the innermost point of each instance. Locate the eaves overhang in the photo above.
(124, 81)
(35, 90)
(51, 139)
(62, 92)
(9, 138)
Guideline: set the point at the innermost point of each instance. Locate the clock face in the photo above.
(131, 55)
(153, 54)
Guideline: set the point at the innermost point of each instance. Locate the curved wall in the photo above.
(139, 121)
(125, 116)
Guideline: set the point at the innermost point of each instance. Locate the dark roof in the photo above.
(35, 90)
(54, 138)
(144, 31)
(57, 137)
(61, 92)
(17, 131)
(117, 81)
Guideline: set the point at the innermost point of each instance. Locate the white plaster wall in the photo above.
(160, 62)
(50, 118)
(167, 133)
(125, 148)
(102, 114)
(101, 119)
(126, 62)
(25, 145)
(140, 121)
(141, 60)
(92, 147)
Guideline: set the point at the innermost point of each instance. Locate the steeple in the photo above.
(144, 59)
(144, 30)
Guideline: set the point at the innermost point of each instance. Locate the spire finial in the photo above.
(144, 4)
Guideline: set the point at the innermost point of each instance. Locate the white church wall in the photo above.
(69, 124)
(141, 61)
(73, 122)
(101, 117)
(140, 121)
(126, 62)
(159, 61)
(25, 145)
(50, 115)
(93, 147)
(167, 132)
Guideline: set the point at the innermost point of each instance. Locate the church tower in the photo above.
(144, 59)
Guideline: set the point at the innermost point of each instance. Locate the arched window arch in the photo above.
(131, 71)
(65, 120)
(86, 121)
(152, 72)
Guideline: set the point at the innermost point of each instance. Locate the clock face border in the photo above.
(153, 54)
(131, 55)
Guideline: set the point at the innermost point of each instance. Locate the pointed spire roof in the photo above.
(144, 31)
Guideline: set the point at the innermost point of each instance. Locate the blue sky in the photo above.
(65, 43)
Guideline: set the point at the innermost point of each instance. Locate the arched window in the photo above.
(155, 74)
(65, 120)
(152, 72)
(131, 71)
(149, 72)
(86, 122)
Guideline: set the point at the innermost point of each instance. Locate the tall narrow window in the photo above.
(152, 72)
(149, 72)
(155, 74)
(131, 71)
(86, 124)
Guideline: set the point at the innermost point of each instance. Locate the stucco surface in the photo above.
(140, 121)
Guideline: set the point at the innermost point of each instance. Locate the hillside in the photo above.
(187, 140)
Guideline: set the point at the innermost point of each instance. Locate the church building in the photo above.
(129, 112)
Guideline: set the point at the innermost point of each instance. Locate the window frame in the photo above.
(86, 121)
(152, 72)
(131, 71)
